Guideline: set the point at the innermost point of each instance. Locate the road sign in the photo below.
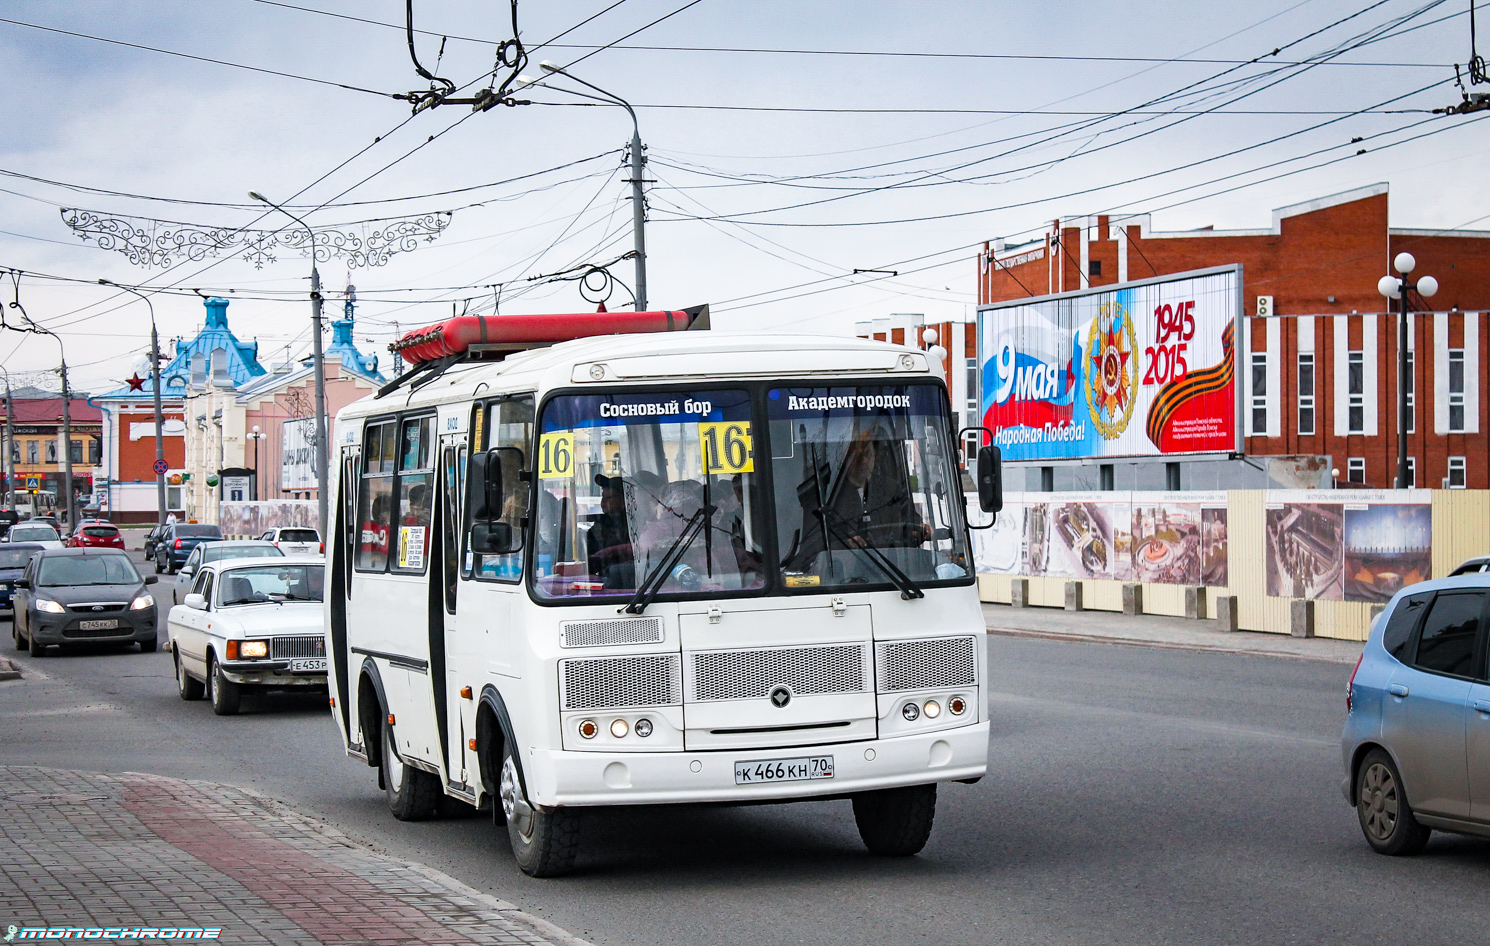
(33, 482)
(160, 467)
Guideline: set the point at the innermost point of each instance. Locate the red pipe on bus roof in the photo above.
(456, 335)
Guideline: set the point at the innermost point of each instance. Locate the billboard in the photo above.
(1364, 549)
(1140, 369)
(297, 469)
(1158, 537)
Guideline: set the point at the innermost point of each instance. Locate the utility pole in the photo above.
(638, 215)
(10, 445)
(636, 159)
(322, 444)
(72, 511)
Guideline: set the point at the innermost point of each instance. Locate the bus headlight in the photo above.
(933, 709)
(619, 729)
(643, 728)
(911, 712)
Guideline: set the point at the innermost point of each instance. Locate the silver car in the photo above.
(1417, 736)
(209, 552)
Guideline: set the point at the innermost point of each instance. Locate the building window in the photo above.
(1456, 477)
(1356, 392)
(1412, 390)
(1094, 267)
(93, 452)
(31, 452)
(1456, 391)
(1306, 393)
(1259, 393)
(1355, 470)
(51, 451)
(1412, 471)
(75, 451)
(972, 387)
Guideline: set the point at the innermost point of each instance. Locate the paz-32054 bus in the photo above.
(659, 567)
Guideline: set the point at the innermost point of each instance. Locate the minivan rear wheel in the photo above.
(1386, 818)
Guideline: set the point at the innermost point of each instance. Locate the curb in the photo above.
(1158, 645)
(545, 931)
(8, 670)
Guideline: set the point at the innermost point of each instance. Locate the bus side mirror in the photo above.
(486, 498)
(990, 479)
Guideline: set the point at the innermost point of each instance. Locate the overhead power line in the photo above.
(207, 59)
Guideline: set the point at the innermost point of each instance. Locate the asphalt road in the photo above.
(1135, 796)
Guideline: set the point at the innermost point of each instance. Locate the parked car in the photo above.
(13, 559)
(1479, 563)
(175, 544)
(32, 532)
(95, 534)
(1416, 742)
(74, 596)
(295, 541)
(249, 624)
(217, 552)
(151, 537)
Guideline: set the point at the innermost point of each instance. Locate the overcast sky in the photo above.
(820, 165)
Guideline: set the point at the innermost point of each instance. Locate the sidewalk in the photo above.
(84, 849)
(1152, 630)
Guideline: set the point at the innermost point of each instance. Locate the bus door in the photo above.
(459, 715)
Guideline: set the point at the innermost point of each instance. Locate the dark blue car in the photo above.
(13, 559)
(176, 543)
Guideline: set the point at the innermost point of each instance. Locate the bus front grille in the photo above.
(939, 662)
(609, 633)
(616, 682)
(752, 674)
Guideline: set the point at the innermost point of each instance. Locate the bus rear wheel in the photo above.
(544, 840)
(413, 794)
(896, 822)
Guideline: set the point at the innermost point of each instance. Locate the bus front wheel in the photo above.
(896, 822)
(544, 840)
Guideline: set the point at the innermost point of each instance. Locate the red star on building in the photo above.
(135, 383)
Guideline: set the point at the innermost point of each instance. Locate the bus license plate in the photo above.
(308, 664)
(784, 770)
(97, 625)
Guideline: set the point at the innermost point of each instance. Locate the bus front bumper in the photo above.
(563, 778)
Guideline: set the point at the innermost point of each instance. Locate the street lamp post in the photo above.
(160, 442)
(322, 443)
(256, 435)
(637, 161)
(1397, 287)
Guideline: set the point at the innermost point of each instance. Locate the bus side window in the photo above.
(416, 496)
(511, 425)
(450, 463)
(375, 498)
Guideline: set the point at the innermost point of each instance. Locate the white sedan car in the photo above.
(37, 532)
(249, 623)
(293, 541)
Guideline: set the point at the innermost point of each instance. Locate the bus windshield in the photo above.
(647, 489)
(863, 477)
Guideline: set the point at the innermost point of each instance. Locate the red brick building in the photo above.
(1317, 363)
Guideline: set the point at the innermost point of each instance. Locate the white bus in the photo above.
(643, 569)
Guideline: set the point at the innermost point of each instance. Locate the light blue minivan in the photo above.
(1417, 738)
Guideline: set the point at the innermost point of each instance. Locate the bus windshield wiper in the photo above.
(652, 584)
(908, 588)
